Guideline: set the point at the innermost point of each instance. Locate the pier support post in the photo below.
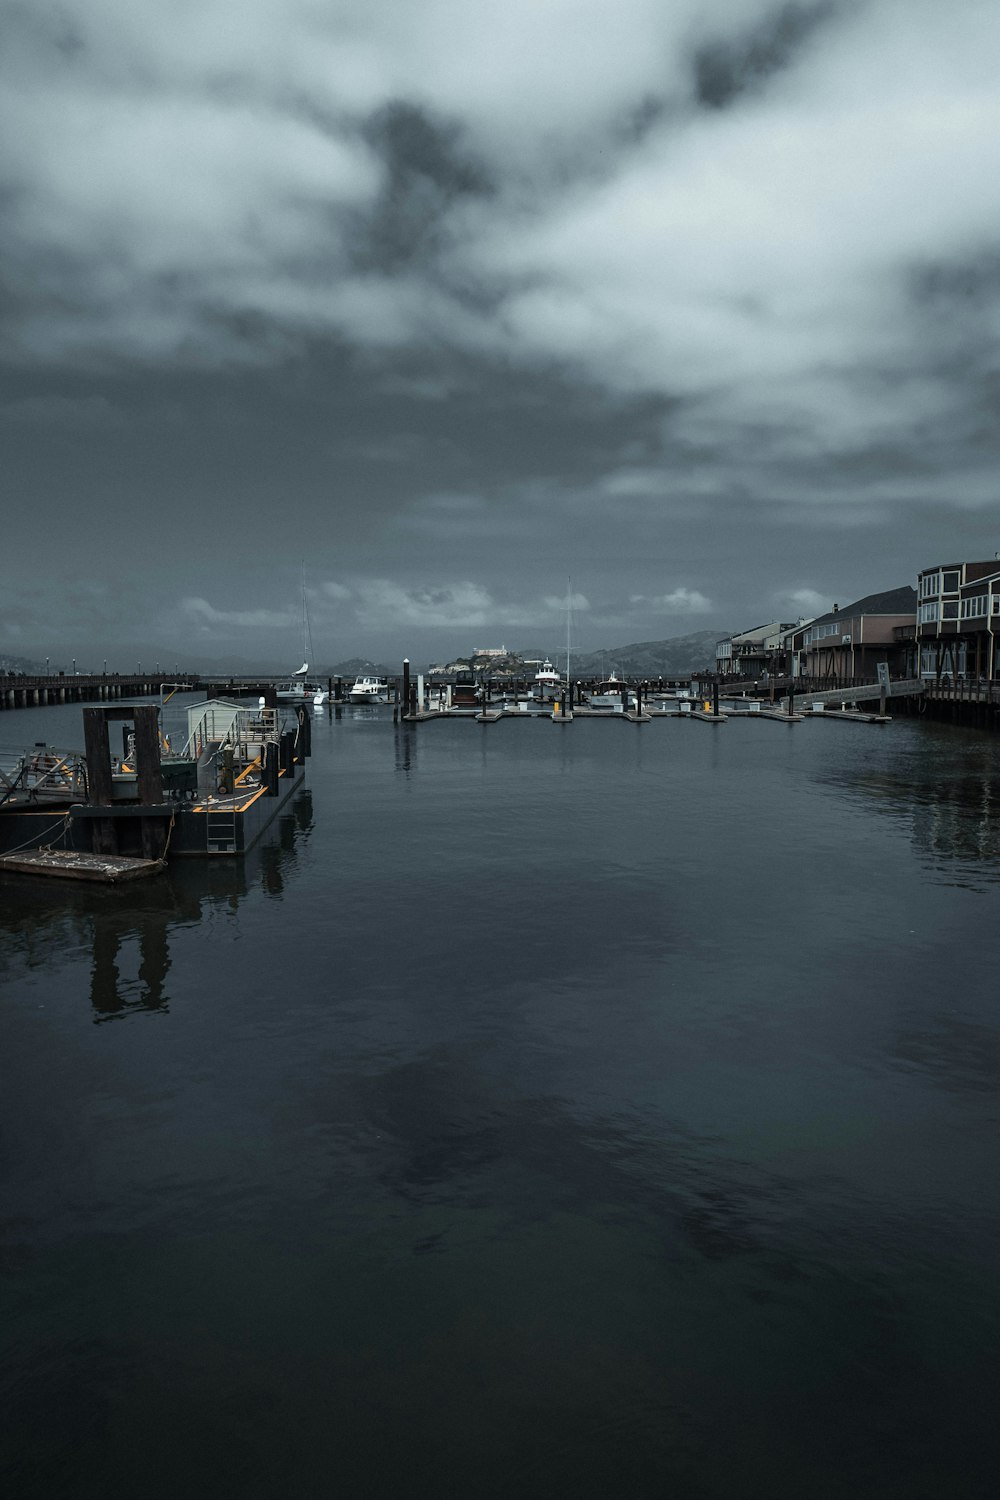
(715, 699)
(405, 705)
(97, 750)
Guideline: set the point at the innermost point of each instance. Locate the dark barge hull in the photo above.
(225, 825)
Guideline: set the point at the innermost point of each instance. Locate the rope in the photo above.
(173, 820)
(41, 848)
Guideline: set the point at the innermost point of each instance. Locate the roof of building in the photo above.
(901, 601)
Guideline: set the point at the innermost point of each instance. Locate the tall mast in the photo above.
(569, 606)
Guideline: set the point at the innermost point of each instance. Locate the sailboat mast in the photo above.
(569, 606)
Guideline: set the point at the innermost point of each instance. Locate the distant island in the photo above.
(675, 657)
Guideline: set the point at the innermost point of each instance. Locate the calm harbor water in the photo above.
(543, 1110)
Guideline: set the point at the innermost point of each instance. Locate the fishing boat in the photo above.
(547, 681)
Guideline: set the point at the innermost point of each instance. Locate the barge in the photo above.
(238, 768)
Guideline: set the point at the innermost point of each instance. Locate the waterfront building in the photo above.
(751, 653)
(850, 642)
(958, 617)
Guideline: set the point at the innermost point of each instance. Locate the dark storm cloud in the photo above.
(729, 67)
(699, 303)
(425, 171)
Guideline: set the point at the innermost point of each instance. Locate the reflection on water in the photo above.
(592, 1110)
(945, 788)
(127, 929)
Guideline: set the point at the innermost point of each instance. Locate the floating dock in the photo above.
(74, 864)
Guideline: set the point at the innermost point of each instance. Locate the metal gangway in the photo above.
(42, 775)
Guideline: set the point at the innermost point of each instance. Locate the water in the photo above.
(545, 1110)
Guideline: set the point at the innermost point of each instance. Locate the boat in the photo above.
(297, 689)
(607, 696)
(369, 688)
(547, 680)
(466, 695)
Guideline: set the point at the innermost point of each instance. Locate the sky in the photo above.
(687, 312)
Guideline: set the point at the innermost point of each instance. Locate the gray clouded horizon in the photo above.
(697, 306)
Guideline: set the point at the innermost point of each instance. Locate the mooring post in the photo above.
(881, 700)
(99, 785)
(715, 699)
(305, 733)
(791, 701)
(228, 777)
(271, 769)
(149, 778)
(406, 685)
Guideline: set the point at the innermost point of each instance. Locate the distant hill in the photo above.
(27, 664)
(671, 658)
(355, 666)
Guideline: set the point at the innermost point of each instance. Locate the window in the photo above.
(930, 585)
(949, 609)
(974, 607)
(927, 614)
(996, 604)
(949, 583)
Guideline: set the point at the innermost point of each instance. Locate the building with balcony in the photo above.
(958, 620)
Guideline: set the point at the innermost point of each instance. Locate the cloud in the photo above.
(807, 601)
(578, 603)
(768, 218)
(207, 618)
(458, 604)
(678, 601)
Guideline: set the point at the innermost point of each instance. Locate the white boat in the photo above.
(547, 681)
(370, 689)
(297, 689)
(608, 695)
